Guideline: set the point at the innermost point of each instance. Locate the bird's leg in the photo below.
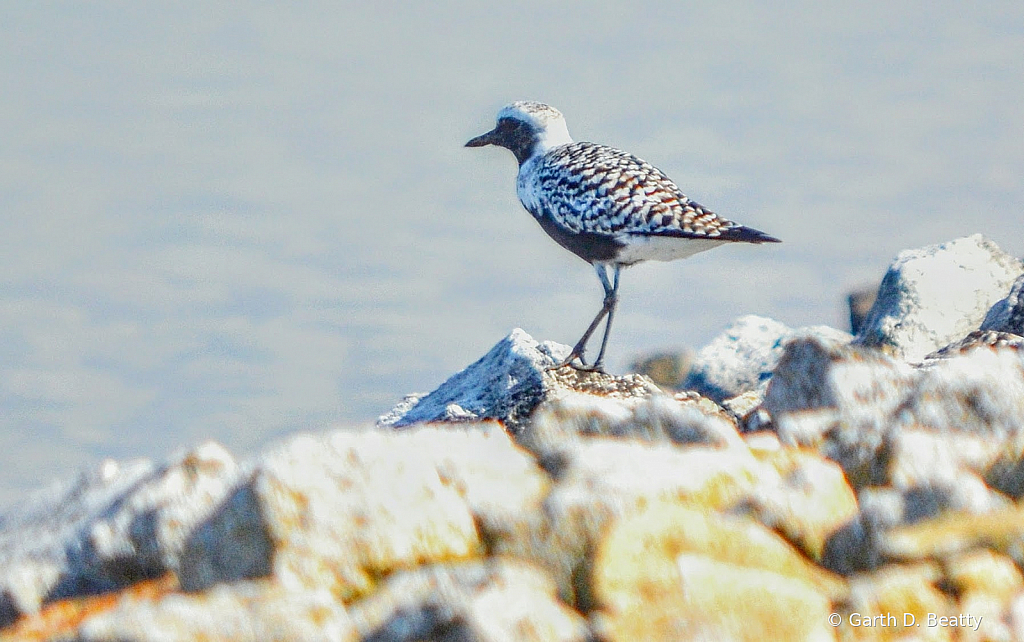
(581, 345)
(611, 297)
(609, 304)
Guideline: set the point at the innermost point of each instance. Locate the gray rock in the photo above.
(839, 399)
(863, 543)
(667, 369)
(860, 408)
(935, 295)
(507, 384)
(948, 435)
(106, 529)
(1008, 314)
(500, 600)
(858, 545)
(742, 358)
(860, 302)
(980, 393)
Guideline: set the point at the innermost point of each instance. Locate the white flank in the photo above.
(661, 248)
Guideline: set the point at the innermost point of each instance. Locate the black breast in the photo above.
(588, 246)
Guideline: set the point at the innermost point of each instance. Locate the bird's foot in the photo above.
(576, 353)
(582, 365)
(595, 367)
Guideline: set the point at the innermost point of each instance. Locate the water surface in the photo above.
(241, 220)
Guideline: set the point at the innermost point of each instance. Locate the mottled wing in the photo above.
(602, 190)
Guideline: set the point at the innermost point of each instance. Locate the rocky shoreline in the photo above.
(805, 484)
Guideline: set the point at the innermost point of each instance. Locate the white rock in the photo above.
(980, 392)
(107, 528)
(1008, 314)
(500, 600)
(340, 509)
(506, 384)
(935, 295)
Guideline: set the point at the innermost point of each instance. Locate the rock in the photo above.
(505, 384)
(746, 409)
(666, 369)
(108, 528)
(901, 591)
(937, 471)
(860, 302)
(244, 611)
(864, 544)
(60, 619)
(857, 546)
(935, 295)
(600, 479)
(810, 501)
(569, 418)
(508, 383)
(915, 442)
(633, 471)
(742, 358)
(979, 339)
(549, 503)
(339, 510)
(953, 533)
(990, 618)
(984, 572)
(884, 422)
(497, 600)
(838, 399)
(401, 409)
(674, 573)
(1007, 315)
(144, 533)
(1016, 618)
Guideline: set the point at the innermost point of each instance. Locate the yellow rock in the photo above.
(811, 502)
(894, 603)
(951, 533)
(671, 572)
(986, 573)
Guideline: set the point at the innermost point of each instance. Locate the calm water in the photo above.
(234, 222)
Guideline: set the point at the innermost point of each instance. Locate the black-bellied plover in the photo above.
(605, 205)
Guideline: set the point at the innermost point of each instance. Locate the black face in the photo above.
(512, 134)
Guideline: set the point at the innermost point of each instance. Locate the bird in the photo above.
(605, 205)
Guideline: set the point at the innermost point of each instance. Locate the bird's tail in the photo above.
(745, 234)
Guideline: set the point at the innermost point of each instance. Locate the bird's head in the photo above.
(526, 128)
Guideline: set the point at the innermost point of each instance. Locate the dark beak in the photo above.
(483, 139)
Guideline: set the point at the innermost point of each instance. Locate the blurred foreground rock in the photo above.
(804, 476)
